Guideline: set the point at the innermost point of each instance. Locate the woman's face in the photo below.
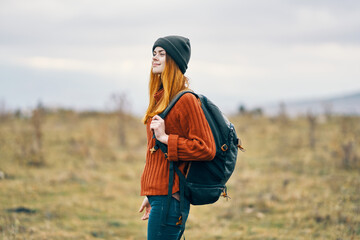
(158, 60)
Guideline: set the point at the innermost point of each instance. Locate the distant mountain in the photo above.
(345, 104)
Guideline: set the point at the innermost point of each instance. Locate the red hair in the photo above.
(172, 80)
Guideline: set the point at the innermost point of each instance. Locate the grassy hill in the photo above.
(69, 175)
(348, 104)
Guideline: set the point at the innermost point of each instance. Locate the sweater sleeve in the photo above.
(197, 142)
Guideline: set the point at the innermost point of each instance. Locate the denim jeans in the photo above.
(157, 230)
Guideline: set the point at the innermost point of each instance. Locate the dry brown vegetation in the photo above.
(69, 175)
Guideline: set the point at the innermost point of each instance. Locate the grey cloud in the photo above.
(256, 39)
(110, 22)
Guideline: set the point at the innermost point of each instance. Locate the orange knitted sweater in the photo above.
(190, 138)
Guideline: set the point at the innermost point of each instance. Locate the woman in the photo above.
(185, 131)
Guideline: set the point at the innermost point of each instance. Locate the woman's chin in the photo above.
(156, 71)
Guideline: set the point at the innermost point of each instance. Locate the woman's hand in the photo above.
(158, 126)
(145, 205)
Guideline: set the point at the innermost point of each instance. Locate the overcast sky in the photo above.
(77, 53)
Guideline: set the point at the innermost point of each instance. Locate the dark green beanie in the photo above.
(178, 48)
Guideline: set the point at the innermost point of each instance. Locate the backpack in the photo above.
(205, 181)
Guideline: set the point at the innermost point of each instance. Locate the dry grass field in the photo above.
(69, 175)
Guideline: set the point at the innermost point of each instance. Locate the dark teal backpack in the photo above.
(205, 180)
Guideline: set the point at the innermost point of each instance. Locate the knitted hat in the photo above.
(178, 48)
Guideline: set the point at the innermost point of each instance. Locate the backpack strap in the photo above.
(158, 144)
(182, 183)
(173, 168)
(174, 101)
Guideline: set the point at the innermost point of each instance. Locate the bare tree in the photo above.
(282, 115)
(349, 156)
(328, 110)
(3, 112)
(37, 122)
(121, 106)
(311, 118)
(242, 109)
(349, 141)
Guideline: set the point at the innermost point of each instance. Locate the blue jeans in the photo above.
(168, 231)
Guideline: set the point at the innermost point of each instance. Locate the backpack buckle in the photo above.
(224, 148)
(225, 194)
(152, 150)
(239, 145)
(179, 222)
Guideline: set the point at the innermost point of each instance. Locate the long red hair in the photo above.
(172, 80)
